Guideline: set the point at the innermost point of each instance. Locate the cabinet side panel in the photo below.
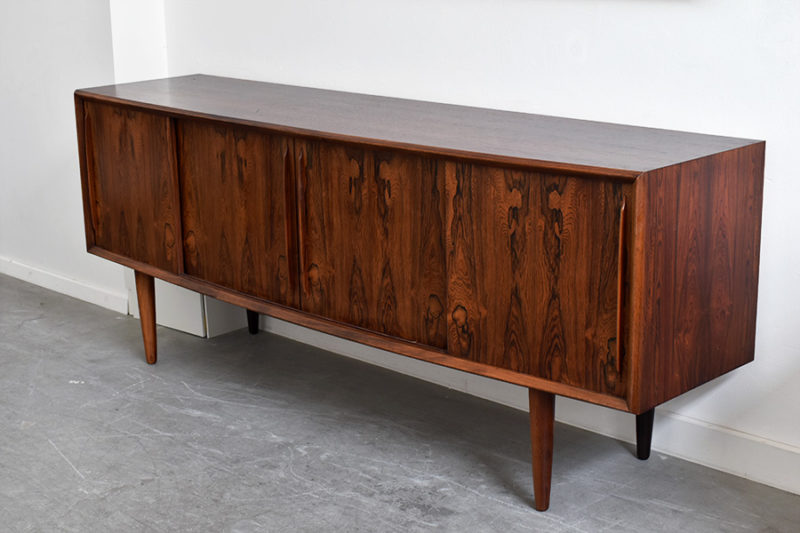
(88, 201)
(131, 169)
(372, 240)
(697, 251)
(233, 198)
(533, 273)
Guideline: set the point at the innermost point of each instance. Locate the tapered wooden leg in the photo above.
(644, 433)
(542, 410)
(146, 292)
(252, 321)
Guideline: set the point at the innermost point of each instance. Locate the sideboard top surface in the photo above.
(501, 136)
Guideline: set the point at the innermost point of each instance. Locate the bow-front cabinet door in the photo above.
(372, 239)
(536, 274)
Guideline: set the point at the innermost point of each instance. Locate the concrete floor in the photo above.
(259, 433)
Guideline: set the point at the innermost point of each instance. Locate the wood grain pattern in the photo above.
(533, 273)
(235, 218)
(698, 229)
(131, 181)
(373, 242)
(548, 143)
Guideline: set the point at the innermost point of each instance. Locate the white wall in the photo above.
(49, 48)
(139, 40)
(729, 67)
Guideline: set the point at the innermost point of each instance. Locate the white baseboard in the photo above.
(749, 456)
(82, 290)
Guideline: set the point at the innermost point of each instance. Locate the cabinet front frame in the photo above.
(350, 332)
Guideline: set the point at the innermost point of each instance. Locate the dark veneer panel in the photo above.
(372, 245)
(533, 273)
(698, 228)
(132, 184)
(233, 199)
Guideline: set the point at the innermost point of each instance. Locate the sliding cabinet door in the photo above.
(132, 184)
(237, 222)
(372, 239)
(534, 277)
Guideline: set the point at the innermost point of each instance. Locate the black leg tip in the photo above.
(252, 322)
(644, 434)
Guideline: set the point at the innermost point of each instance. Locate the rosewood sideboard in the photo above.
(612, 264)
